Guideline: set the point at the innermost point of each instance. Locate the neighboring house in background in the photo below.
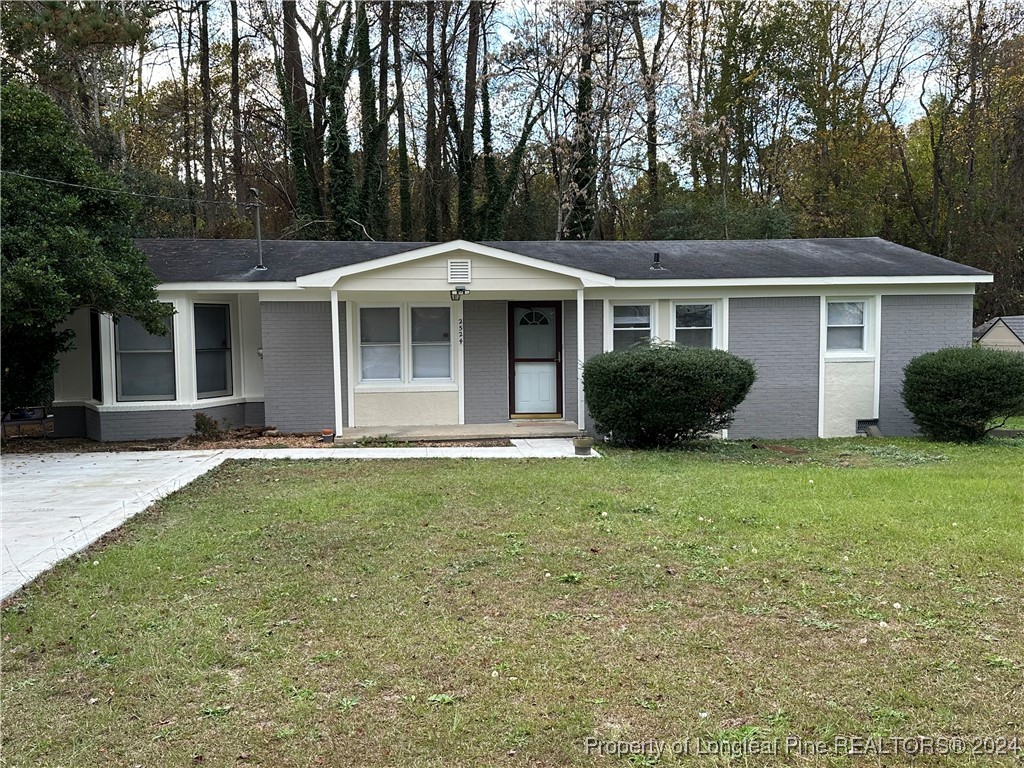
(356, 334)
(1006, 332)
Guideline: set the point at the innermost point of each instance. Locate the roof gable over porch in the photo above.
(441, 266)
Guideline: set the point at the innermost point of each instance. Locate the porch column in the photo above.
(581, 407)
(336, 357)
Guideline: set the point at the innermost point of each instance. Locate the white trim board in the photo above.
(330, 278)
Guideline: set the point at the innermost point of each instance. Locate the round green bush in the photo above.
(656, 395)
(954, 394)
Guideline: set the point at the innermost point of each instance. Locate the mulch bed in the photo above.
(246, 437)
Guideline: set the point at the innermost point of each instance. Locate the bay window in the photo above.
(213, 350)
(145, 362)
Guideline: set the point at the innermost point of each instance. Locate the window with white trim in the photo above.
(631, 323)
(405, 344)
(145, 361)
(695, 325)
(845, 326)
(213, 350)
(430, 330)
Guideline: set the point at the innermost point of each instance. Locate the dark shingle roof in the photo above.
(176, 261)
(1014, 322)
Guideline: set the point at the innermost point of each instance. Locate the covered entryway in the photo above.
(535, 359)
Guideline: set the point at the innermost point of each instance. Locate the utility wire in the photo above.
(190, 201)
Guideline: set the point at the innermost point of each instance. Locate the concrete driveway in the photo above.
(57, 504)
(54, 505)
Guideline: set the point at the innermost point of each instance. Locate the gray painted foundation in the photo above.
(110, 426)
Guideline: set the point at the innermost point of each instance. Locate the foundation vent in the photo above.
(460, 270)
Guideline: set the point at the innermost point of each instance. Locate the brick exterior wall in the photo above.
(780, 337)
(297, 361)
(485, 358)
(570, 364)
(92, 424)
(254, 415)
(911, 326)
(593, 340)
(593, 344)
(108, 426)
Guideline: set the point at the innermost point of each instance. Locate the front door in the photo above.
(535, 358)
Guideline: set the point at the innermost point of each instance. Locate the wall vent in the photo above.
(460, 271)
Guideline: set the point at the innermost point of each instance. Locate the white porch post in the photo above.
(581, 408)
(336, 357)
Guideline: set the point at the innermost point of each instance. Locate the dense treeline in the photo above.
(526, 120)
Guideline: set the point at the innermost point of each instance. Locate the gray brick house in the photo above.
(347, 335)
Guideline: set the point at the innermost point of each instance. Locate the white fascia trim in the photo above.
(212, 287)
(331, 277)
(814, 281)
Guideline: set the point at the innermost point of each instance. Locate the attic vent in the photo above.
(460, 270)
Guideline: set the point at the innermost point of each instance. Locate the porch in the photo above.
(518, 429)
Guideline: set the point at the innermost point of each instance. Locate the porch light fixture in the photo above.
(458, 292)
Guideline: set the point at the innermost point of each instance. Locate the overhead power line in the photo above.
(189, 200)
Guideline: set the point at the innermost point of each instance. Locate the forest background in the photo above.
(523, 120)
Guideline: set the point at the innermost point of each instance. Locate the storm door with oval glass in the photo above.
(535, 359)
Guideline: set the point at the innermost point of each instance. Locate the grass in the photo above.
(1014, 422)
(465, 613)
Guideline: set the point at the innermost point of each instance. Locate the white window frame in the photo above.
(652, 325)
(867, 348)
(119, 397)
(405, 346)
(716, 319)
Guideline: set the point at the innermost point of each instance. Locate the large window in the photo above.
(695, 325)
(145, 363)
(213, 350)
(431, 342)
(631, 323)
(403, 344)
(845, 326)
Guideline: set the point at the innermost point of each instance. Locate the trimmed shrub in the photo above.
(207, 427)
(954, 393)
(659, 394)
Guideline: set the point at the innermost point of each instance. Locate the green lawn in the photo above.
(471, 613)
(1014, 422)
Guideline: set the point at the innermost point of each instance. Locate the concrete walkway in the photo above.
(56, 504)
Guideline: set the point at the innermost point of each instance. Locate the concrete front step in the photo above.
(508, 429)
